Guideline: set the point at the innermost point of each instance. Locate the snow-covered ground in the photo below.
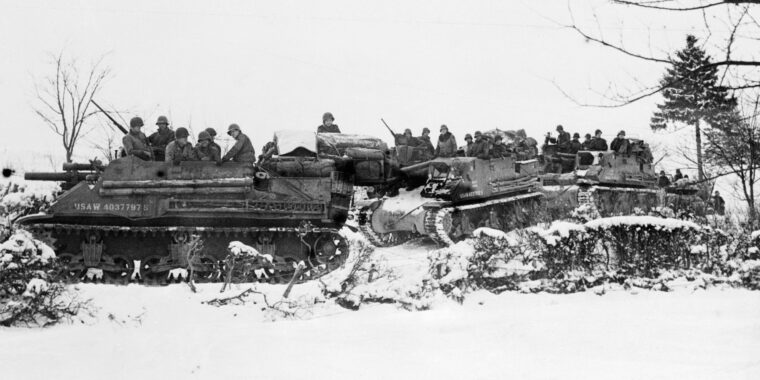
(167, 333)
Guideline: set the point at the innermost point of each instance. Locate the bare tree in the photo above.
(63, 98)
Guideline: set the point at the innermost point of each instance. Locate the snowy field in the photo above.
(166, 332)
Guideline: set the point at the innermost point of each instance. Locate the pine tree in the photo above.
(692, 95)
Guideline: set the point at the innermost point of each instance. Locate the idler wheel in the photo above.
(329, 248)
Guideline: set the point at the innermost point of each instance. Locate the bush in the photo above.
(566, 247)
(29, 293)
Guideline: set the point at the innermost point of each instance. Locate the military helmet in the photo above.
(426, 129)
(204, 135)
(498, 138)
(478, 133)
(444, 126)
(162, 120)
(211, 131)
(621, 133)
(588, 136)
(468, 136)
(136, 122)
(559, 127)
(598, 132)
(181, 132)
(409, 131)
(328, 115)
(233, 127)
(576, 135)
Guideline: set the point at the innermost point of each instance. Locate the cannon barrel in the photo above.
(68, 166)
(72, 176)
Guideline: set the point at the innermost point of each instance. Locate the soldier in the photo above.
(447, 144)
(205, 149)
(180, 149)
(563, 138)
(575, 145)
(269, 149)
(243, 150)
(620, 143)
(663, 181)
(678, 175)
(135, 143)
(598, 143)
(586, 144)
(327, 124)
(406, 139)
(212, 133)
(480, 147)
(161, 138)
(468, 146)
(499, 149)
(719, 205)
(424, 141)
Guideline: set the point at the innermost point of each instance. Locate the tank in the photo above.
(291, 207)
(608, 183)
(459, 195)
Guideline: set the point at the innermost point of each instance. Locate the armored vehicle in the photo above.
(459, 195)
(290, 209)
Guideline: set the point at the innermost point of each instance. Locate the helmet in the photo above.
(426, 129)
(233, 127)
(211, 132)
(477, 133)
(598, 132)
(181, 132)
(588, 135)
(328, 115)
(576, 135)
(444, 126)
(204, 136)
(162, 120)
(136, 122)
(468, 136)
(621, 133)
(559, 127)
(409, 131)
(498, 137)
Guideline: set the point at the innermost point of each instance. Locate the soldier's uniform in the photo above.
(243, 150)
(447, 144)
(160, 139)
(206, 152)
(135, 143)
(212, 133)
(176, 152)
(620, 143)
(574, 145)
(500, 150)
(332, 128)
(479, 147)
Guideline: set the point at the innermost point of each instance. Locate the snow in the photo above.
(668, 224)
(405, 201)
(557, 230)
(755, 235)
(35, 287)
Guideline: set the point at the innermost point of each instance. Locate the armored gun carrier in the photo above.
(459, 195)
(290, 208)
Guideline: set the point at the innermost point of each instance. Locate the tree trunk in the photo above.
(698, 138)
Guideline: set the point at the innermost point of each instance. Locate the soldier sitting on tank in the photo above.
(212, 133)
(467, 148)
(499, 149)
(204, 150)
(161, 138)
(574, 145)
(598, 143)
(447, 144)
(268, 150)
(243, 150)
(678, 175)
(563, 139)
(586, 144)
(180, 149)
(425, 142)
(135, 143)
(620, 144)
(327, 124)
(663, 181)
(406, 139)
(480, 148)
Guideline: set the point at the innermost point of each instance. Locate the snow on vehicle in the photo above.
(290, 207)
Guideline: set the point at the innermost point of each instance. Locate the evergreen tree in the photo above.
(692, 95)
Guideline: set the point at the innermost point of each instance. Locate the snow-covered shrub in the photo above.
(566, 247)
(646, 245)
(244, 263)
(749, 274)
(29, 293)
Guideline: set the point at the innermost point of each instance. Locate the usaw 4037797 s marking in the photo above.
(96, 206)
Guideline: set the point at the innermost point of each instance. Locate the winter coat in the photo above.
(586, 145)
(563, 139)
(209, 153)
(480, 149)
(447, 145)
(158, 142)
(573, 146)
(242, 151)
(424, 141)
(176, 153)
(136, 144)
(677, 177)
(719, 205)
(663, 181)
(499, 151)
(467, 149)
(619, 145)
(598, 144)
(328, 129)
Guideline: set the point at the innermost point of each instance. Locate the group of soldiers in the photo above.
(481, 146)
(572, 146)
(173, 146)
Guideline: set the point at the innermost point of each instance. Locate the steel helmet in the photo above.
(468, 136)
(162, 120)
(204, 136)
(181, 132)
(328, 115)
(233, 127)
(211, 131)
(136, 122)
(426, 129)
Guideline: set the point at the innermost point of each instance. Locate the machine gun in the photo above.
(116, 123)
(73, 174)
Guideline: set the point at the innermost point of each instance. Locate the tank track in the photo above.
(377, 239)
(439, 221)
(210, 269)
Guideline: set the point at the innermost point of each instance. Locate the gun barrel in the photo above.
(72, 176)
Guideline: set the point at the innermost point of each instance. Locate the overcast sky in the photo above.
(279, 65)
